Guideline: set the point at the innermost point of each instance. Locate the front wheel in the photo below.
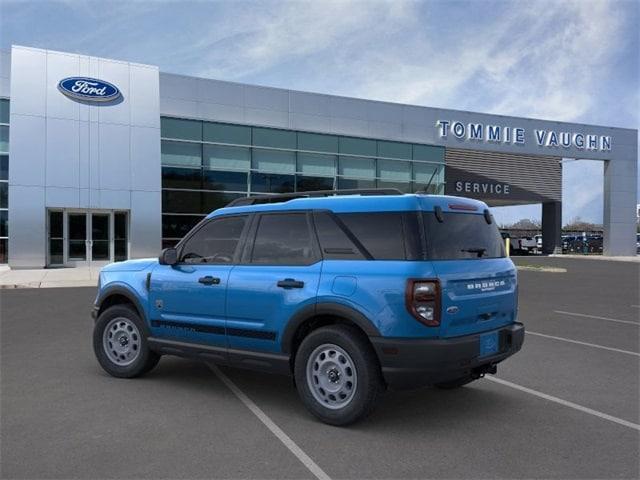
(337, 375)
(120, 343)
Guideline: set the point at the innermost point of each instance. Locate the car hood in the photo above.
(130, 265)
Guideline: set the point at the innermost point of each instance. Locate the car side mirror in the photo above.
(168, 256)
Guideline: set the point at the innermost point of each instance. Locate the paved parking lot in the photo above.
(567, 406)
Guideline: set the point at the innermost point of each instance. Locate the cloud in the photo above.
(575, 60)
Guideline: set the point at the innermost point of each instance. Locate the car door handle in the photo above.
(209, 280)
(290, 283)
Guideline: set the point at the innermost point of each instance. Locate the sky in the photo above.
(574, 61)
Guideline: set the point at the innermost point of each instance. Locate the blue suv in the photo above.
(350, 292)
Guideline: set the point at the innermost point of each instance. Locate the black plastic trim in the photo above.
(251, 359)
(412, 363)
(326, 309)
(215, 329)
(119, 290)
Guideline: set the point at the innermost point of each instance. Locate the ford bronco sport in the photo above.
(350, 292)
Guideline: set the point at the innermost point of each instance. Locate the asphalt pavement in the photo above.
(568, 407)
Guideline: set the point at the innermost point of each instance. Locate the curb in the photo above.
(64, 284)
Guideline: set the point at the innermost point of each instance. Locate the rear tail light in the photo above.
(423, 301)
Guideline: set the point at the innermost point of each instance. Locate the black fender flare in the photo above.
(328, 309)
(125, 292)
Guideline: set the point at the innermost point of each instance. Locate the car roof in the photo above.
(364, 203)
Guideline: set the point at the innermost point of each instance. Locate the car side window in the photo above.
(283, 239)
(214, 242)
(381, 233)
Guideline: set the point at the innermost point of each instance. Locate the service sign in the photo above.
(88, 89)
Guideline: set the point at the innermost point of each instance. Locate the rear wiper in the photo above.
(479, 251)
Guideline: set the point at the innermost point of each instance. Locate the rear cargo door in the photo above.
(477, 295)
(478, 282)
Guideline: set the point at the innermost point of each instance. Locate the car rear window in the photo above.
(462, 236)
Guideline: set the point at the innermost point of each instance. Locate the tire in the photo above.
(348, 358)
(123, 353)
(453, 384)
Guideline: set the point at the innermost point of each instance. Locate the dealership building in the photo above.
(103, 160)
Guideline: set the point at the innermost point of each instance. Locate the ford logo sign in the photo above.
(89, 89)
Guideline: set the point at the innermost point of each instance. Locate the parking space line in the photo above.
(598, 318)
(566, 403)
(270, 424)
(594, 345)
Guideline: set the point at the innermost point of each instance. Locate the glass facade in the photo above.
(205, 165)
(4, 180)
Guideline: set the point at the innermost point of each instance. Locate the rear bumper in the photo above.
(413, 363)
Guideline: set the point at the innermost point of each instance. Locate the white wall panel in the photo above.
(62, 197)
(270, 118)
(63, 153)
(144, 97)
(266, 98)
(118, 74)
(5, 64)
(115, 161)
(146, 224)
(224, 93)
(27, 142)
(59, 66)
(115, 199)
(27, 226)
(222, 113)
(145, 155)
(28, 81)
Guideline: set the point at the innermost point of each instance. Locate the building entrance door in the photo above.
(82, 238)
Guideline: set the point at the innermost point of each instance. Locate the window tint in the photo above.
(334, 242)
(215, 242)
(380, 233)
(460, 236)
(283, 239)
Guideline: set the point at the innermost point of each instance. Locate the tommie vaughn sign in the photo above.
(88, 89)
(516, 135)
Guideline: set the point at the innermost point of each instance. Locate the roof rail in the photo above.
(284, 197)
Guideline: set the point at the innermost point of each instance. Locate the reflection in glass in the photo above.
(120, 236)
(227, 158)
(100, 236)
(181, 153)
(4, 256)
(307, 184)
(270, 183)
(178, 128)
(274, 161)
(174, 177)
(77, 236)
(217, 180)
(4, 223)
(4, 167)
(4, 194)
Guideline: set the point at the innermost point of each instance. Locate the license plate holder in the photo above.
(489, 344)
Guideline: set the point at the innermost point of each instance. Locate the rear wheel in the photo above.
(337, 375)
(120, 343)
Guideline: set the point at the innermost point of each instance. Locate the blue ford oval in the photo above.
(90, 89)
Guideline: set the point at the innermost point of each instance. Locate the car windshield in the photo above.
(461, 236)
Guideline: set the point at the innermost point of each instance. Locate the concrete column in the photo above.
(552, 227)
(620, 198)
